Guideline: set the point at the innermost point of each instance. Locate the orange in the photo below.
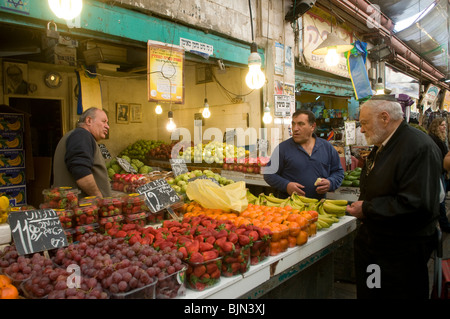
(9, 292)
(4, 281)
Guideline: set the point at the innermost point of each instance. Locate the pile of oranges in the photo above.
(290, 227)
(7, 289)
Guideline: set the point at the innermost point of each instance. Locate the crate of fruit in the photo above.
(203, 275)
(134, 203)
(110, 206)
(138, 219)
(86, 214)
(65, 217)
(106, 223)
(61, 197)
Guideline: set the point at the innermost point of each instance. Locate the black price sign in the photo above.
(104, 150)
(36, 230)
(126, 165)
(158, 195)
(178, 166)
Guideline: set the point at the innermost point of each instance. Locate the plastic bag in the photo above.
(231, 197)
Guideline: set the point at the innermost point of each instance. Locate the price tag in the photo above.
(158, 195)
(36, 230)
(178, 166)
(125, 165)
(104, 150)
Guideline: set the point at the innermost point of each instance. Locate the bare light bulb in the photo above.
(267, 118)
(66, 9)
(255, 78)
(206, 113)
(171, 124)
(332, 58)
(158, 109)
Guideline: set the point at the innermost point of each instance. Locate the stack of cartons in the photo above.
(12, 158)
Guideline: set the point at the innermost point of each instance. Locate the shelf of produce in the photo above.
(165, 164)
(253, 280)
(348, 193)
(252, 179)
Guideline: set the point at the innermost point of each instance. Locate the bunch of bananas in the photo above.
(329, 209)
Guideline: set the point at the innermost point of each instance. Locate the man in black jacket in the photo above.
(398, 206)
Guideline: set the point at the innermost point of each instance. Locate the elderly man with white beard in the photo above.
(398, 206)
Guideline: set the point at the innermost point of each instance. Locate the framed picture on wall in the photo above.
(135, 113)
(122, 113)
(15, 77)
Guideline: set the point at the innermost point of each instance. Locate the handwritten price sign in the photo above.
(36, 230)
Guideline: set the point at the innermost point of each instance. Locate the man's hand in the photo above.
(355, 209)
(323, 186)
(295, 187)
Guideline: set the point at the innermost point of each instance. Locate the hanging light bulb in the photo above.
(332, 47)
(158, 109)
(379, 87)
(66, 9)
(255, 78)
(206, 113)
(171, 124)
(267, 118)
(332, 58)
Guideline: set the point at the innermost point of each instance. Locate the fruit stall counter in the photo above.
(276, 270)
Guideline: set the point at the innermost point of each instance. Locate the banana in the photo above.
(322, 223)
(274, 199)
(14, 143)
(339, 202)
(16, 161)
(19, 198)
(14, 126)
(331, 208)
(307, 199)
(250, 197)
(16, 180)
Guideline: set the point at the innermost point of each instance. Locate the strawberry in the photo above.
(211, 254)
(205, 246)
(233, 237)
(184, 252)
(199, 270)
(211, 267)
(227, 247)
(215, 274)
(196, 257)
(199, 286)
(244, 240)
(121, 234)
(253, 235)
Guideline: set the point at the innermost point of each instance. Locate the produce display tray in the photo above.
(239, 285)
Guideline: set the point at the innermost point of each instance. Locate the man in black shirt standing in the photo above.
(78, 161)
(398, 206)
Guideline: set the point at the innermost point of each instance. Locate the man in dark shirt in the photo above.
(398, 206)
(78, 161)
(297, 163)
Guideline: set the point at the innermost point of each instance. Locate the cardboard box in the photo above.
(5, 234)
(18, 194)
(62, 55)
